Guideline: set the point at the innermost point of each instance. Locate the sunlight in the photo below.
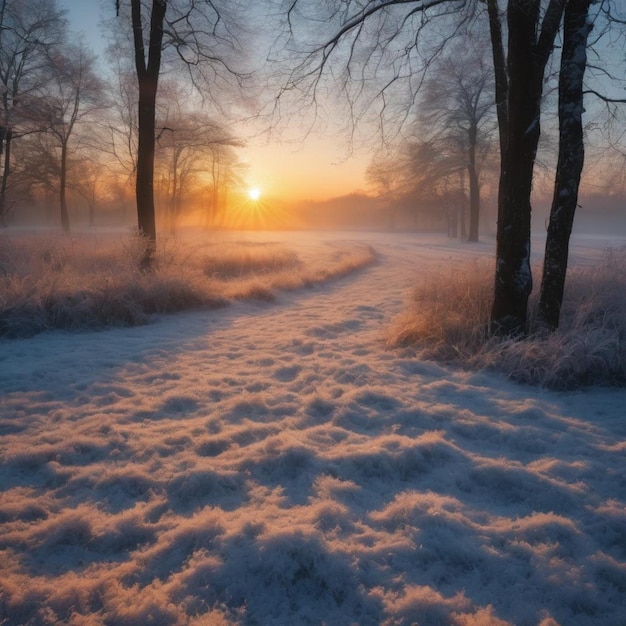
(253, 209)
(254, 193)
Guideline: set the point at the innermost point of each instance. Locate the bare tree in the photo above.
(224, 174)
(389, 44)
(531, 37)
(427, 168)
(456, 112)
(119, 125)
(576, 29)
(88, 184)
(148, 68)
(73, 93)
(202, 36)
(189, 143)
(28, 29)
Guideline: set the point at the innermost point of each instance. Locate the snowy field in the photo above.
(273, 463)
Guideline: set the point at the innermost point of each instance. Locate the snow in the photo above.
(275, 464)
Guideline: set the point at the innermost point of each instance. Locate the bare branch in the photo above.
(604, 97)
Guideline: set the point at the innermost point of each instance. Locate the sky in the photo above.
(292, 168)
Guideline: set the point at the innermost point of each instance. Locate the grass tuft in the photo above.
(447, 321)
(232, 260)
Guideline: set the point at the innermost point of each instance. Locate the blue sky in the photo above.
(85, 15)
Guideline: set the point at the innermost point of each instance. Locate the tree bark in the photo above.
(570, 162)
(6, 170)
(65, 218)
(513, 280)
(527, 59)
(148, 79)
(474, 187)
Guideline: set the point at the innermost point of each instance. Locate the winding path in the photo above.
(274, 464)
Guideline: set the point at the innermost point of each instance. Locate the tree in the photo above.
(531, 36)
(189, 144)
(88, 185)
(120, 124)
(225, 173)
(422, 175)
(148, 68)
(199, 34)
(455, 112)
(73, 93)
(28, 29)
(576, 29)
(383, 44)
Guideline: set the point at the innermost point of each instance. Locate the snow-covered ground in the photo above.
(275, 464)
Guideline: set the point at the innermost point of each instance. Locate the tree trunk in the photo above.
(148, 79)
(499, 68)
(174, 202)
(513, 280)
(144, 189)
(570, 162)
(461, 231)
(474, 188)
(527, 59)
(215, 173)
(6, 170)
(65, 218)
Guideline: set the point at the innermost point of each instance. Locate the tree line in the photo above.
(68, 127)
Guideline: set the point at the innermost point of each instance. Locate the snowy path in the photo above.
(274, 464)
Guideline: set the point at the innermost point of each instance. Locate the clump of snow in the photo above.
(451, 307)
(277, 464)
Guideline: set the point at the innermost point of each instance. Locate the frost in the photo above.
(275, 464)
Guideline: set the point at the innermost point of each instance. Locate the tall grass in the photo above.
(54, 282)
(450, 308)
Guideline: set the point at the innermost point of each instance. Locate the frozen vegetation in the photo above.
(279, 463)
(447, 322)
(54, 282)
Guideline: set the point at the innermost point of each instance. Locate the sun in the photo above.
(254, 193)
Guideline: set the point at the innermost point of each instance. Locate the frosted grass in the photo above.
(451, 304)
(54, 282)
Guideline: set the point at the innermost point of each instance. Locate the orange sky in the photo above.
(316, 168)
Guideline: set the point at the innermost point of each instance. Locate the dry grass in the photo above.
(236, 260)
(55, 282)
(448, 322)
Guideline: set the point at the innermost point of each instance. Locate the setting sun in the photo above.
(254, 193)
